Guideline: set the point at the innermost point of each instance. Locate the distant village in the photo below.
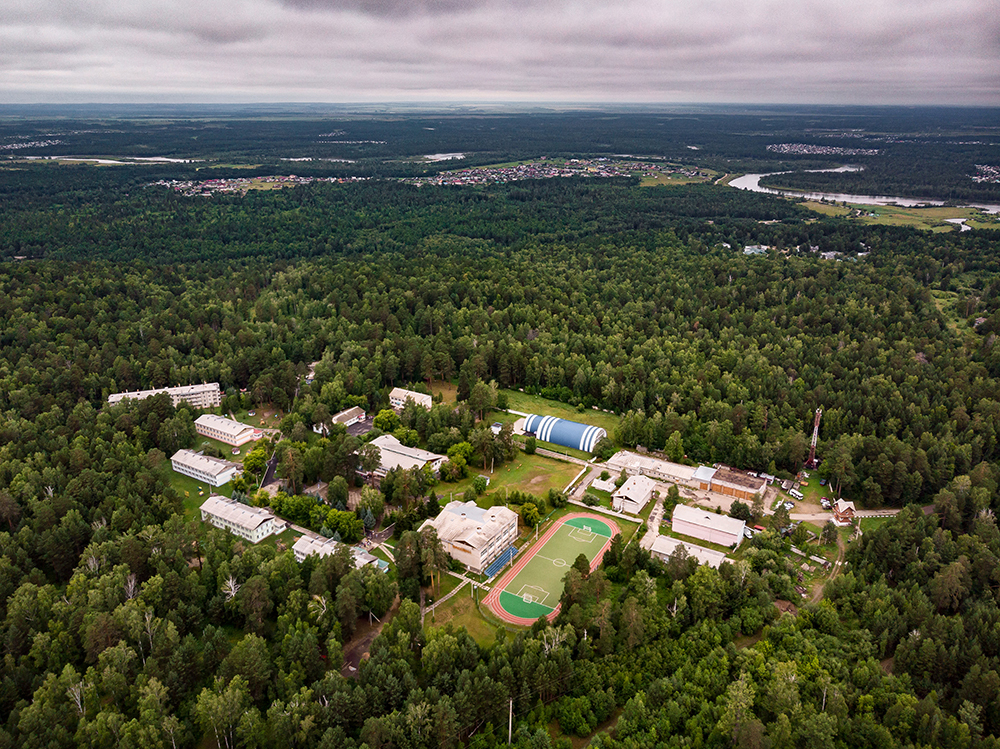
(545, 169)
(240, 185)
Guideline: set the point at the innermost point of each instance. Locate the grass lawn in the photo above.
(605, 497)
(187, 489)
(461, 611)
(382, 555)
(870, 524)
(448, 584)
(535, 474)
(535, 404)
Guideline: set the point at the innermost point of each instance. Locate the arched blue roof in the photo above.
(563, 432)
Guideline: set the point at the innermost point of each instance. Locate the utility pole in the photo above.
(510, 722)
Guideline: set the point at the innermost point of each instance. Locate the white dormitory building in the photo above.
(225, 430)
(207, 395)
(707, 526)
(399, 396)
(251, 523)
(633, 495)
(346, 417)
(395, 454)
(474, 536)
(323, 547)
(212, 471)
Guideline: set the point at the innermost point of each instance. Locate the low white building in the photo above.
(633, 495)
(251, 523)
(707, 526)
(220, 428)
(635, 464)
(604, 486)
(399, 396)
(324, 547)
(472, 535)
(204, 468)
(346, 417)
(207, 395)
(662, 547)
(395, 454)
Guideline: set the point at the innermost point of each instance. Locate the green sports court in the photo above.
(534, 586)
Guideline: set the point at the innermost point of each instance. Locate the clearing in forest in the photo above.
(533, 587)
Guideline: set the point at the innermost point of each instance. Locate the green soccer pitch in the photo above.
(533, 588)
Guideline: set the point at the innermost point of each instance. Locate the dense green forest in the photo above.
(123, 625)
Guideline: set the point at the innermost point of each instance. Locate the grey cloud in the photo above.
(902, 51)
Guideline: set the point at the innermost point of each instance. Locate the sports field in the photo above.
(533, 587)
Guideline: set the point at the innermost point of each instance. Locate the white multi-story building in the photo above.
(225, 430)
(399, 396)
(204, 468)
(251, 523)
(324, 547)
(207, 395)
(472, 535)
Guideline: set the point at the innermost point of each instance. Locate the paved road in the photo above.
(560, 456)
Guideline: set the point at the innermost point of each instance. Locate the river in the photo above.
(752, 182)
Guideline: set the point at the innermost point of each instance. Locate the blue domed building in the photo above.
(562, 432)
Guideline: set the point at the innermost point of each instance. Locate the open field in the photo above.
(461, 611)
(932, 217)
(448, 390)
(535, 404)
(533, 586)
(535, 474)
(671, 179)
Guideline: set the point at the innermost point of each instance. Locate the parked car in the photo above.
(748, 532)
(822, 482)
(789, 506)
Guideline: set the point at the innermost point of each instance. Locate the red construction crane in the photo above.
(812, 447)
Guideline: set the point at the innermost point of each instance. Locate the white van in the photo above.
(795, 493)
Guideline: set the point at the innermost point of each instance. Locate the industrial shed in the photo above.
(563, 432)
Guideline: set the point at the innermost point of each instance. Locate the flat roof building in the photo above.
(472, 535)
(663, 547)
(662, 470)
(324, 547)
(633, 495)
(729, 482)
(225, 430)
(562, 432)
(207, 395)
(399, 396)
(707, 526)
(204, 468)
(251, 523)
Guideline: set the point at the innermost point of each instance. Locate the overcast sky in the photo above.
(752, 51)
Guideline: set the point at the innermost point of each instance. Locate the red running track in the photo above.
(492, 600)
